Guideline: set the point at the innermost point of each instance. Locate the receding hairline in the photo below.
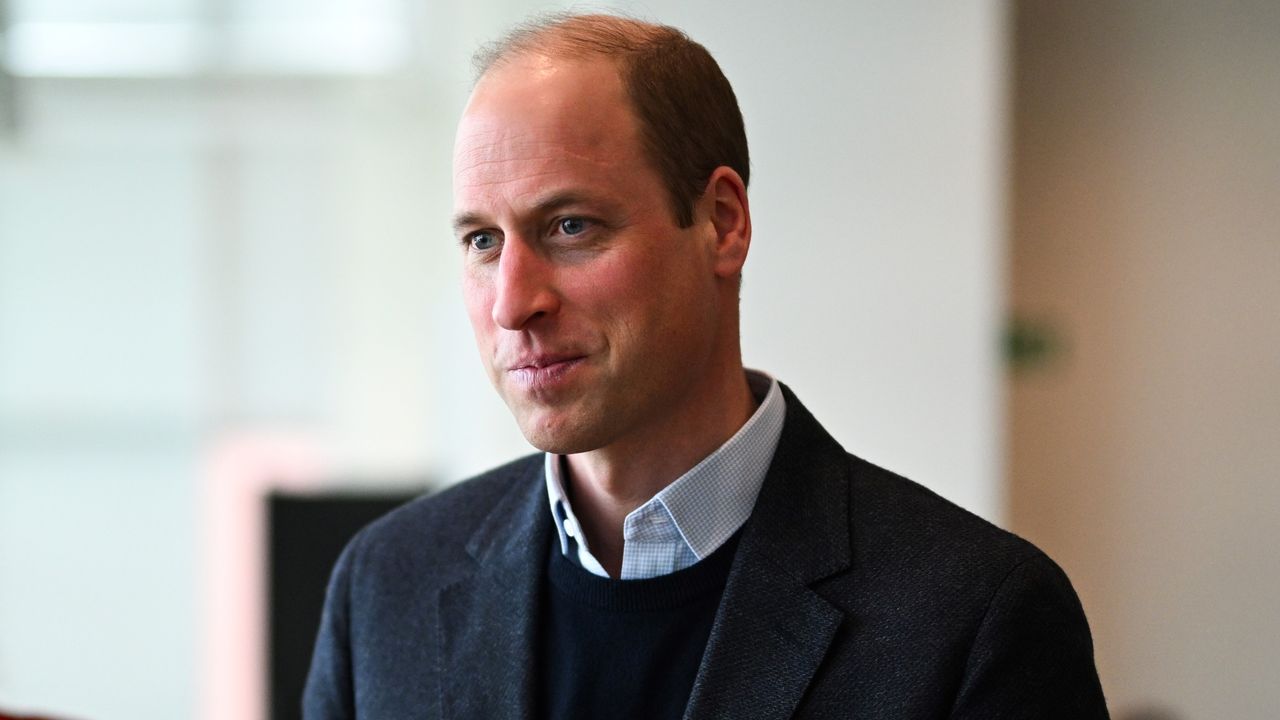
(554, 34)
(686, 111)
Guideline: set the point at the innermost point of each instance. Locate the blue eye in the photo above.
(573, 226)
(482, 241)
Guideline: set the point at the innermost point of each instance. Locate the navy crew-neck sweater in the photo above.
(625, 648)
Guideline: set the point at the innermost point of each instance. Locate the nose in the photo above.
(524, 289)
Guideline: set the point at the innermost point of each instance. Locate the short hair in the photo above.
(689, 119)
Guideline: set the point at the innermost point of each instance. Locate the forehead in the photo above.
(538, 120)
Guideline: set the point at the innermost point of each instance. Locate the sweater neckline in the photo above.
(704, 579)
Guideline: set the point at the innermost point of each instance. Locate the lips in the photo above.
(544, 361)
(544, 372)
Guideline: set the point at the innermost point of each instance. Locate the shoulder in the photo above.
(431, 533)
(900, 514)
(916, 549)
(458, 508)
(900, 535)
(900, 526)
(998, 618)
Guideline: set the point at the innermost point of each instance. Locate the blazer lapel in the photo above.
(487, 620)
(772, 630)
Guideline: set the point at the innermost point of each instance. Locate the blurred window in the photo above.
(168, 38)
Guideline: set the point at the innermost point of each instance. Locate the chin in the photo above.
(559, 435)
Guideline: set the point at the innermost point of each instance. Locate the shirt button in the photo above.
(568, 530)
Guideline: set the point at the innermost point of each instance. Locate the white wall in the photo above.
(186, 262)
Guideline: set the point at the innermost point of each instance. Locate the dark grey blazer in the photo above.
(855, 593)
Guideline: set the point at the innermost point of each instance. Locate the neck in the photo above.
(608, 483)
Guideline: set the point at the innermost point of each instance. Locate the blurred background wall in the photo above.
(1143, 454)
(225, 266)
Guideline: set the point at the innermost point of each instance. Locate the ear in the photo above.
(730, 216)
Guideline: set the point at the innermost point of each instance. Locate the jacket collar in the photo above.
(770, 633)
(487, 620)
(772, 630)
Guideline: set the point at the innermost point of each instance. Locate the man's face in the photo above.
(595, 315)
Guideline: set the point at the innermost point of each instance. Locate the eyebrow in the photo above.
(548, 204)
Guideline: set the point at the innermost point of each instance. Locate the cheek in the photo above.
(640, 297)
(478, 298)
(614, 293)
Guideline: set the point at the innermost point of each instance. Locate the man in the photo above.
(692, 543)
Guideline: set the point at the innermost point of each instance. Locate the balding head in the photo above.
(685, 109)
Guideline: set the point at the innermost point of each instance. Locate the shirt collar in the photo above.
(707, 504)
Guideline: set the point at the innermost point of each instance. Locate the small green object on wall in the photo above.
(1031, 343)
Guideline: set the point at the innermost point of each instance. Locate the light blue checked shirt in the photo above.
(688, 519)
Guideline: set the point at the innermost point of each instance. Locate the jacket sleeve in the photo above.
(1032, 656)
(329, 692)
